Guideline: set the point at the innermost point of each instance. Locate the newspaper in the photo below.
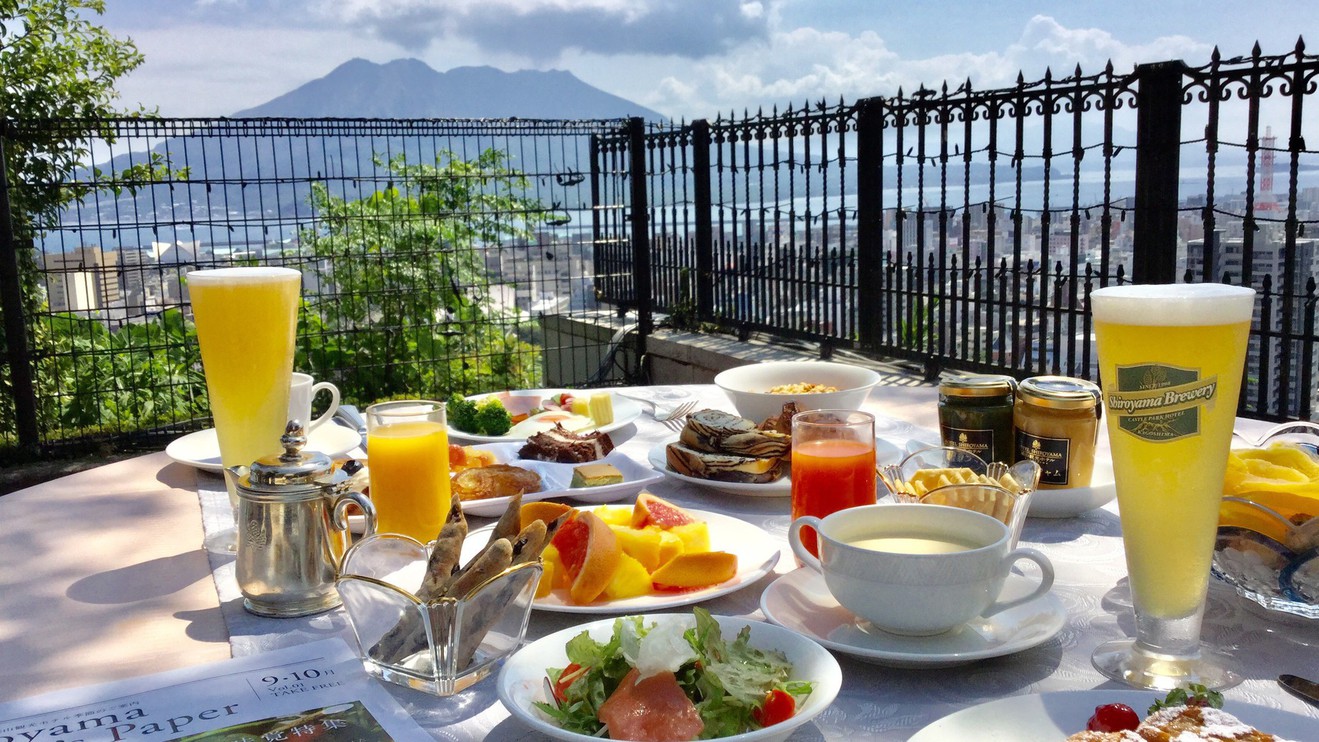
(316, 691)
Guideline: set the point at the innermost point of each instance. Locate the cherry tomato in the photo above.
(778, 706)
(1113, 717)
(566, 678)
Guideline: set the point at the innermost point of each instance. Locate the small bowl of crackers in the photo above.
(426, 620)
(943, 475)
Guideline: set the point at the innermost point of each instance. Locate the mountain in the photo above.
(408, 88)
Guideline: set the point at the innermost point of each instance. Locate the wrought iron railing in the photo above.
(965, 228)
(955, 227)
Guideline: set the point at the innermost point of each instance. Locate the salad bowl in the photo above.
(522, 680)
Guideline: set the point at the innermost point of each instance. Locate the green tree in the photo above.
(56, 64)
(410, 309)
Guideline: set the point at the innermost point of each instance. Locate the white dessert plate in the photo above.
(885, 452)
(1049, 717)
(522, 679)
(1070, 502)
(202, 448)
(757, 553)
(556, 478)
(802, 602)
(625, 411)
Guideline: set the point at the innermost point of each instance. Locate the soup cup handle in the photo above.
(1046, 580)
(794, 539)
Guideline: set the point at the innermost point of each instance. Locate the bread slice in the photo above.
(723, 467)
(715, 431)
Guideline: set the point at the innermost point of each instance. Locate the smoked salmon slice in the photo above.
(652, 710)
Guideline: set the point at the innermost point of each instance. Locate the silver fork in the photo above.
(677, 417)
(662, 413)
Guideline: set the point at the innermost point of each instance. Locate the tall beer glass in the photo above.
(1170, 359)
(247, 319)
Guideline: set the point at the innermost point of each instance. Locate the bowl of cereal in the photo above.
(759, 391)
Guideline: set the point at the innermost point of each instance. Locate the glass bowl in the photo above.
(440, 646)
(912, 480)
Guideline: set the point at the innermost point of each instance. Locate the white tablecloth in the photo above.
(876, 703)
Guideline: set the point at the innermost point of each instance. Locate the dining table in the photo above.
(117, 571)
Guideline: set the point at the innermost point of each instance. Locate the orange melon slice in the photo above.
(542, 510)
(687, 571)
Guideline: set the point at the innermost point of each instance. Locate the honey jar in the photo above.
(1057, 423)
(975, 414)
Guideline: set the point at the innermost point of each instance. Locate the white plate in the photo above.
(522, 679)
(556, 478)
(885, 452)
(757, 553)
(1049, 717)
(625, 411)
(801, 601)
(202, 449)
(1066, 503)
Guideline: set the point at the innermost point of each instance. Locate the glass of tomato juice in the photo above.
(833, 464)
(408, 464)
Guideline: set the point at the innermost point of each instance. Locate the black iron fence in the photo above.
(965, 228)
(438, 258)
(959, 228)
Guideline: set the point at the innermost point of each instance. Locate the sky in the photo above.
(684, 58)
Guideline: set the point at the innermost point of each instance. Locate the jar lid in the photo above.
(293, 466)
(978, 385)
(1059, 392)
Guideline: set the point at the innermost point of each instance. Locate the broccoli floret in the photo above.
(462, 415)
(492, 418)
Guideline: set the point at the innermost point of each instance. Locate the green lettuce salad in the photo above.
(734, 686)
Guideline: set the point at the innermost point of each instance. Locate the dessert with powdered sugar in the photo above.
(1183, 724)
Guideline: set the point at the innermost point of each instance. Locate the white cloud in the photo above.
(796, 65)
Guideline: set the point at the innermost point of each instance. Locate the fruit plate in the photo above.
(781, 487)
(522, 679)
(1048, 717)
(757, 553)
(556, 479)
(625, 411)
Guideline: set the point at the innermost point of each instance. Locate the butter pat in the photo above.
(595, 475)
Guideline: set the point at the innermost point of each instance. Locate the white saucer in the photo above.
(800, 601)
(1067, 503)
(202, 449)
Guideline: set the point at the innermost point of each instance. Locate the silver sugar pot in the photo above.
(293, 529)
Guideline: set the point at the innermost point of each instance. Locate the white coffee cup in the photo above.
(302, 391)
(921, 593)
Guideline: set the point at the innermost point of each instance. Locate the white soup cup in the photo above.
(916, 594)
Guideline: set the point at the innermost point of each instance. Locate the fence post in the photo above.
(1158, 156)
(703, 211)
(640, 218)
(16, 337)
(870, 220)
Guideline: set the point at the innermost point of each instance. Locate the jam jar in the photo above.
(975, 414)
(1057, 422)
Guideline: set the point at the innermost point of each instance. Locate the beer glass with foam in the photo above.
(1170, 362)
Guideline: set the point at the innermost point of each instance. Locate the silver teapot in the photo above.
(293, 529)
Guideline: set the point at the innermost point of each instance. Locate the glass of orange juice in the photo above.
(833, 464)
(408, 462)
(247, 322)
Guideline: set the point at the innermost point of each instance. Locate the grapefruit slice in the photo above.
(653, 511)
(589, 552)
